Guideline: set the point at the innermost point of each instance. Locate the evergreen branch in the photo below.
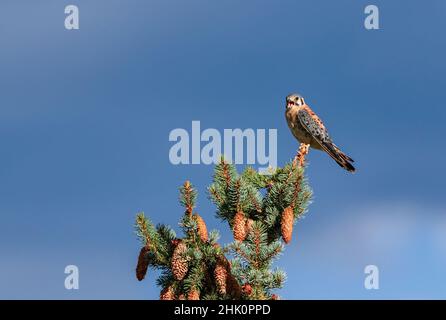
(188, 196)
(255, 202)
(226, 173)
(256, 238)
(297, 188)
(234, 195)
(201, 269)
(215, 195)
(142, 226)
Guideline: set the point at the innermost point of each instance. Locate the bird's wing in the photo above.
(314, 126)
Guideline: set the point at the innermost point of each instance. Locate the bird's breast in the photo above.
(298, 131)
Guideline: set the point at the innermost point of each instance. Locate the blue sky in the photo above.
(85, 117)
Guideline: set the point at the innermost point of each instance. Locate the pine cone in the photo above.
(239, 226)
(167, 294)
(143, 263)
(233, 286)
(181, 297)
(220, 275)
(248, 225)
(201, 226)
(286, 224)
(193, 295)
(247, 289)
(275, 297)
(179, 261)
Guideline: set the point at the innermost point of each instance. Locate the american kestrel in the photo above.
(309, 129)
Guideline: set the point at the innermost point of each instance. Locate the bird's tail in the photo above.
(340, 157)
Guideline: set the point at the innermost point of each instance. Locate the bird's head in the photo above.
(294, 100)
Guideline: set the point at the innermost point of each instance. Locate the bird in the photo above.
(310, 131)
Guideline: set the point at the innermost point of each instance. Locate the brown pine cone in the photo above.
(247, 289)
(286, 225)
(233, 287)
(167, 294)
(220, 275)
(239, 226)
(179, 261)
(193, 295)
(201, 226)
(248, 225)
(143, 263)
